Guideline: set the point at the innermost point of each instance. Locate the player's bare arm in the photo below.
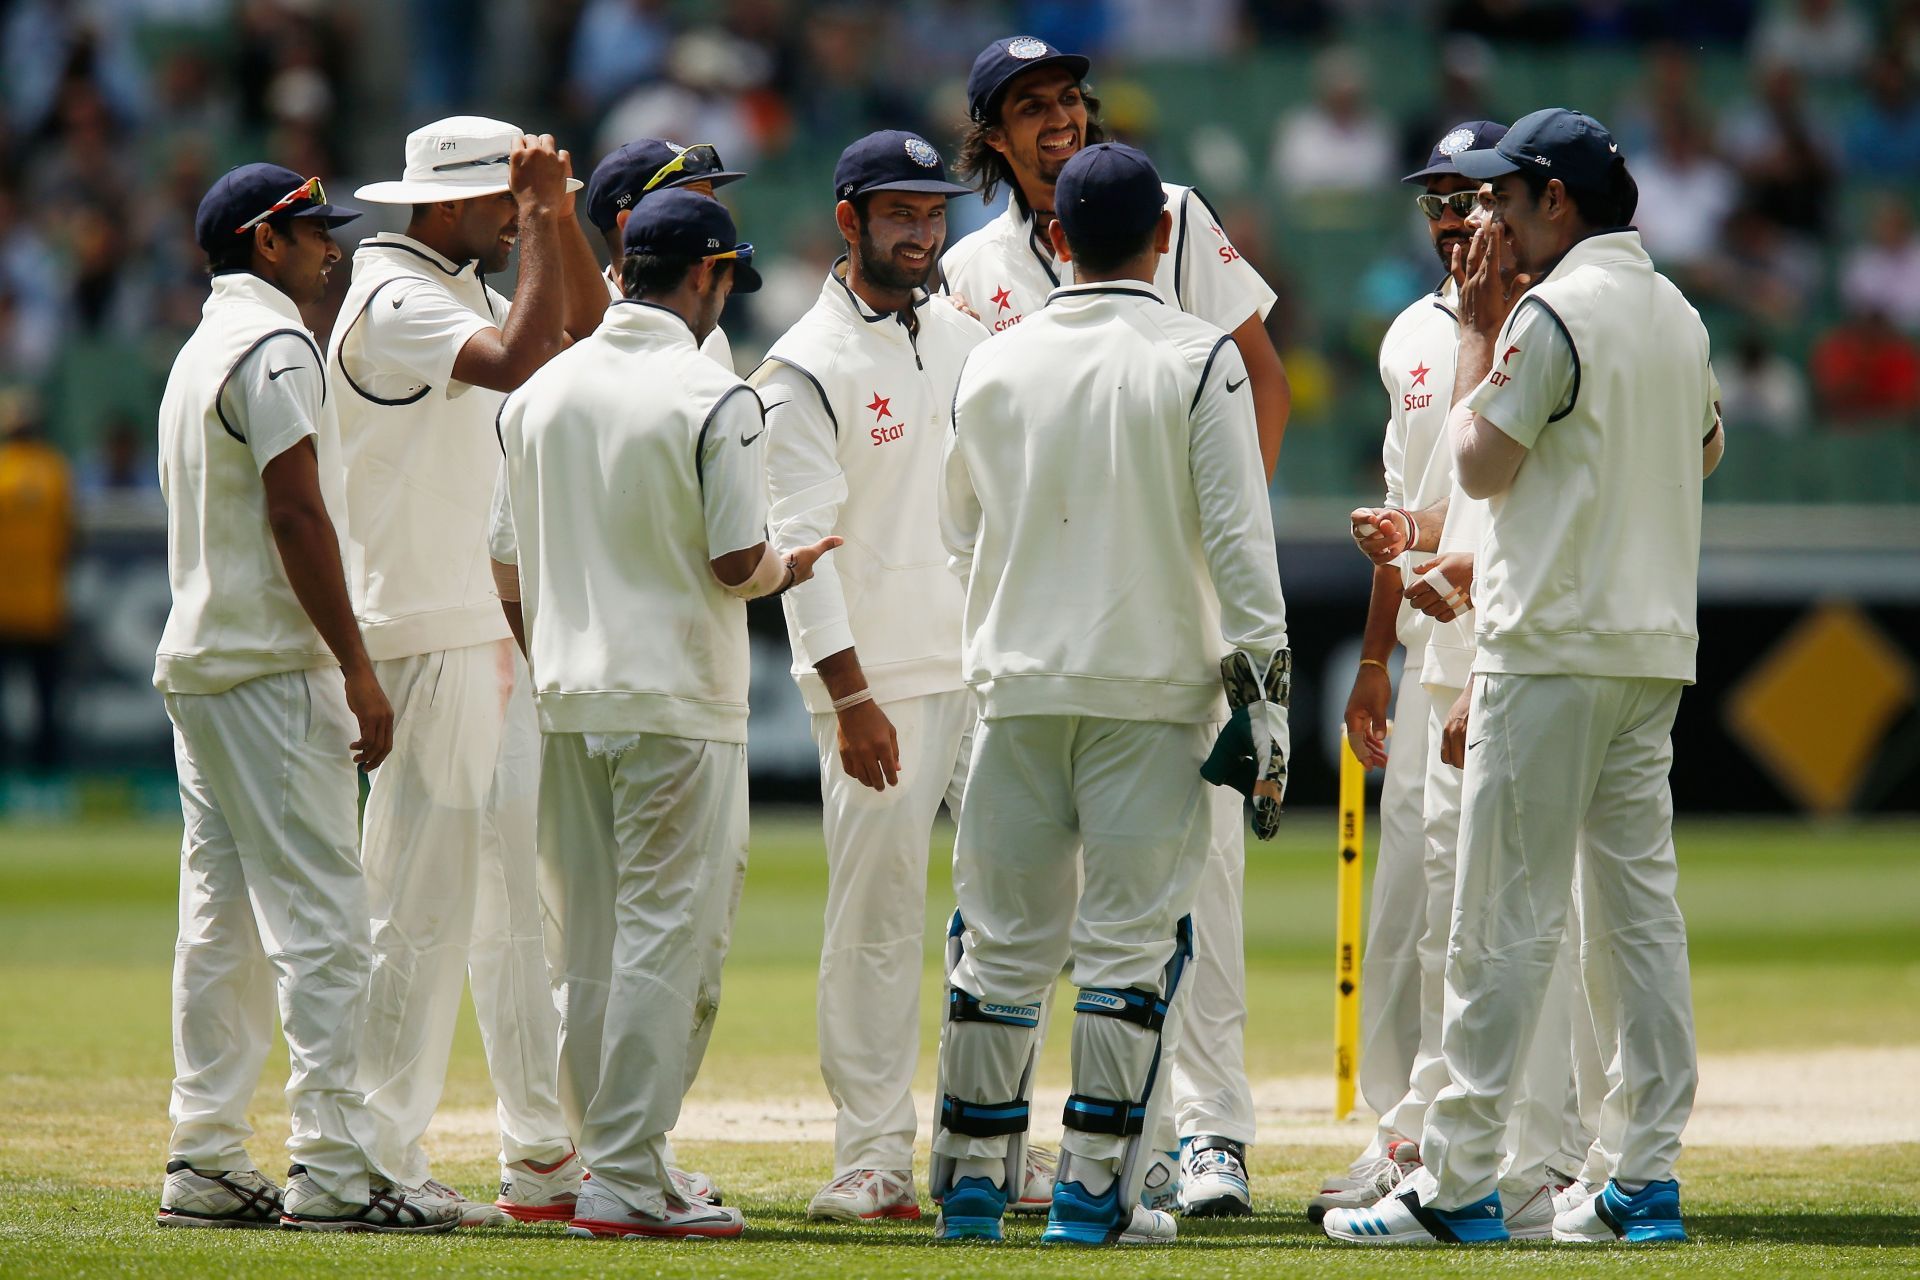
(586, 293)
(310, 552)
(1272, 393)
(1486, 458)
(736, 570)
(501, 359)
(1383, 534)
(869, 748)
(1453, 734)
(1366, 713)
(1714, 447)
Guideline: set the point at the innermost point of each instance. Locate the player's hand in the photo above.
(1381, 533)
(1490, 287)
(1366, 717)
(537, 172)
(869, 748)
(1456, 569)
(960, 304)
(368, 702)
(1453, 734)
(801, 559)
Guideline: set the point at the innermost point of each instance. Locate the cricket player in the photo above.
(638, 528)
(1432, 596)
(1587, 417)
(857, 395)
(1103, 466)
(422, 355)
(631, 171)
(1029, 113)
(273, 701)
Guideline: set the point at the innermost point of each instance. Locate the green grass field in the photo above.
(1805, 940)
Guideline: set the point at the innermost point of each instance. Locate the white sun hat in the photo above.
(459, 158)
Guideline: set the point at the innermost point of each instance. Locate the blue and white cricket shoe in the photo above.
(972, 1210)
(1213, 1178)
(1649, 1215)
(1080, 1218)
(1406, 1217)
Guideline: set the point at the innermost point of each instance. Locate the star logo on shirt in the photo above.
(1419, 375)
(1003, 298)
(880, 407)
(1511, 353)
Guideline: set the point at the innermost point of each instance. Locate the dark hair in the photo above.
(1107, 254)
(644, 274)
(977, 162)
(1599, 209)
(236, 251)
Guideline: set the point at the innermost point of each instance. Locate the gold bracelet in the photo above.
(1373, 662)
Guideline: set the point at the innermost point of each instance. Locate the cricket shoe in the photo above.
(1213, 1178)
(1036, 1185)
(389, 1209)
(1078, 1217)
(972, 1209)
(1572, 1196)
(237, 1198)
(1366, 1181)
(694, 1185)
(1407, 1218)
(1649, 1215)
(600, 1214)
(1529, 1216)
(1160, 1185)
(534, 1191)
(473, 1213)
(866, 1195)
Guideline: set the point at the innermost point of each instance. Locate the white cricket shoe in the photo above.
(1365, 1181)
(1648, 1216)
(694, 1185)
(1407, 1217)
(1036, 1188)
(1572, 1196)
(473, 1213)
(866, 1195)
(601, 1214)
(1160, 1185)
(235, 1198)
(1213, 1179)
(533, 1191)
(389, 1209)
(1529, 1216)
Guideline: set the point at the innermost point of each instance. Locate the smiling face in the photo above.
(898, 242)
(1538, 231)
(482, 229)
(297, 262)
(1043, 122)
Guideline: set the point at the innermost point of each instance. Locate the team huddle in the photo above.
(1013, 497)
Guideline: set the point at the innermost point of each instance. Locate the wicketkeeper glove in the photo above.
(1250, 755)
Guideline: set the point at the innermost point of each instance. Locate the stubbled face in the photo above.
(901, 238)
(308, 252)
(1451, 231)
(485, 229)
(1043, 122)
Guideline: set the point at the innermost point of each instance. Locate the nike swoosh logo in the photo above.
(747, 440)
(1233, 386)
(1472, 745)
(397, 302)
(275, 373)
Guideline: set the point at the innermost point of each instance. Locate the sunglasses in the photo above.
(310, 190)
(1461, 202)
(699, 159)
(741, 253)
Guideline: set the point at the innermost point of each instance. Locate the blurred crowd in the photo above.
(1781, 197)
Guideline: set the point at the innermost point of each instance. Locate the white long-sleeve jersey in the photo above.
(1103, 500)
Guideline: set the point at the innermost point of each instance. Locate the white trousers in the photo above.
(1390, 997)
(1544, 1129)
(1207, 1045)
(272, 915)
(643, 855)
(868, 1011)
(1553, 761)
(448, 843)
(1081, 838)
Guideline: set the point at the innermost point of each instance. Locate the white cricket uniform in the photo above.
(448, 832)
(272, 902)
(857, 409)
(612, 507)
(715, 347)
(1103, 501)
(1006, 270)
(1586, 588)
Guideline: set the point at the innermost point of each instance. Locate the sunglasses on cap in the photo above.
(310, 191)
(1462, 203)
(743, 253)
(699, 159)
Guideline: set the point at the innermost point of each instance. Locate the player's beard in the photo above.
(880, 267)
(1447, 243)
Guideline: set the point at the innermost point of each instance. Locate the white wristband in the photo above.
(852, 700)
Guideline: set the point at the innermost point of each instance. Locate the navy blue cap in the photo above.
(688, 224)
(1109, 194)
(1553, 142)
(629, 172)
(1004, 59)
(239, 196)
(1474, 135)
(892, 160)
